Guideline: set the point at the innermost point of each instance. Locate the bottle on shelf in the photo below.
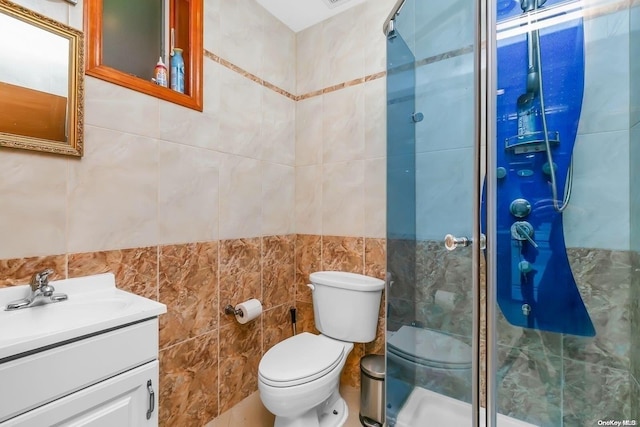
(177, 71)
(160, 73)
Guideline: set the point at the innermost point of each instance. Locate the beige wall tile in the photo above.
(308, 207)
(342, 38)
(375, 118)
(343, 125)
(113, 193)
(343, 198)
(242, 28)
(279, 66)
(240, 197)
(310, 57)
(278, 133)
(309, 136)
(375, 198)
(278, 199)
(33, 217)
(188, 193)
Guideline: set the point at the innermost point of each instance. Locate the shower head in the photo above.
(529, 5)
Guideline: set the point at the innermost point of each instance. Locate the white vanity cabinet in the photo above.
(105, 376)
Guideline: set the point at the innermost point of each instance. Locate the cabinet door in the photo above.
(121, 401)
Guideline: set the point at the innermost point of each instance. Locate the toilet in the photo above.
(299, 378)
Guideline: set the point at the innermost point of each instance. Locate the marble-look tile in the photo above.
(594, 392)
(211, 99)
(305, 318)
(442, 26)
(188, 285)
(375, 198)
(188, 187)
(375, 258)
(378, 345)
(53, 10)
(308, 258)
(278, 270)
(343, 129)
(239, 274)
(375, 14)
(309, 60)
(448, 205)
(211, 32)
(240, 115)
(343, 198)
(401, 265)
(19, 271)
(343, 254)
(308, 199)
(33, 218)
(375, 118)
(309, 134)
(135, 269)
(343, 38)
(113, 192)
(530, 386)
(190, 127)
(600, 192)
(635, 397)
(120, 109)
(189, 382)
(240, 353)
(279, 66)
(276, 325)
(606, 77)
(351, 372)
(242, 32)
(634, 298)
(278, 128)
(603, 278)
(240, 197)
(278, 199)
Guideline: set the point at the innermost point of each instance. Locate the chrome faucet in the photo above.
(40, 292)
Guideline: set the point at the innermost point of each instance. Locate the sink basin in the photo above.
(94, 305)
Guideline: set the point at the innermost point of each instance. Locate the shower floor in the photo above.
(426, 408)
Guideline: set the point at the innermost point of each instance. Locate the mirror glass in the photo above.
(40, 82)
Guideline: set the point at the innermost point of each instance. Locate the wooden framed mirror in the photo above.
(41, 82)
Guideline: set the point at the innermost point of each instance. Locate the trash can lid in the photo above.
(373, 365)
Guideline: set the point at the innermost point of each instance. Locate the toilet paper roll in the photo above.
(445, 299)
(250, 309)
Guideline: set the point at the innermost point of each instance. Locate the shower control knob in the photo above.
(452, 242)
(520, 208)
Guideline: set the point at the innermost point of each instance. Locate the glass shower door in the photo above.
(433, 186)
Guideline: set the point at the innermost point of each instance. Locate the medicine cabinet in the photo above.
(125, 40)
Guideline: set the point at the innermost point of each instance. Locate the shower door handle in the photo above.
(452, 242)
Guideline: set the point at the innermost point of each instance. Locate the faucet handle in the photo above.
(40, 279)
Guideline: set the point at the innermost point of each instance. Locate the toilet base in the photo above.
(333, 412)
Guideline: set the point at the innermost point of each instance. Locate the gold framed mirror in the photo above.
(41, 82)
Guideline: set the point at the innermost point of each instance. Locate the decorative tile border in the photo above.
(283, 92)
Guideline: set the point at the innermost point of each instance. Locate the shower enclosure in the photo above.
(513, 213)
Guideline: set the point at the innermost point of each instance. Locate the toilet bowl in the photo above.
(429, 359)
(299, 378)
(412, 346)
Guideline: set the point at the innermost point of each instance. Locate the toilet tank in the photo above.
(346, 305)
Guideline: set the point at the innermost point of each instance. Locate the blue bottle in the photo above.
(177, 71)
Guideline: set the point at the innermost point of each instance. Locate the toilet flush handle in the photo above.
(313, 288)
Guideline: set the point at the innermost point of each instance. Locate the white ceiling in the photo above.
(300, 14)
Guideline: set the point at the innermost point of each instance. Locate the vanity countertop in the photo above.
(94, 305)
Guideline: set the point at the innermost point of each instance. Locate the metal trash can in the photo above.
(372, 401)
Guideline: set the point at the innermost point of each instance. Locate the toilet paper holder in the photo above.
(232, 311)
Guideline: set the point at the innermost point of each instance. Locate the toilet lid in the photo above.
(299, 359)
(427, 346)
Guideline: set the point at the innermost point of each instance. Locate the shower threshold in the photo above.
(424, 407)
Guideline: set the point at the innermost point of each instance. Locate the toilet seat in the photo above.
(300, 359)
(429, 348)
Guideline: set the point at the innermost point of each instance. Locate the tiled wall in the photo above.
(198, 210)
